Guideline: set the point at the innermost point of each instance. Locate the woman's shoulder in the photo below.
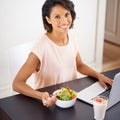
(41, 40)
(39, 45)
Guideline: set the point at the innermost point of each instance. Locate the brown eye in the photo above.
(57, 17)
(67, 14)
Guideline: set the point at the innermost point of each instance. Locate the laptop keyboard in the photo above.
(107, 92)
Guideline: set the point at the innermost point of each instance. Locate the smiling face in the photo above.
(60, 19)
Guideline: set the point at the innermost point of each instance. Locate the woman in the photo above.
(55, 57)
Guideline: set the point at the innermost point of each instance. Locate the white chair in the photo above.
(16, 57)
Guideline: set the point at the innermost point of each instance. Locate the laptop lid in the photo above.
(95, 89)
(114, 96)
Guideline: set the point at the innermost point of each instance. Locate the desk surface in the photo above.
(20, 107)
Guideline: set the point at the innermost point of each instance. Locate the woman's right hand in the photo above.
(48, 100)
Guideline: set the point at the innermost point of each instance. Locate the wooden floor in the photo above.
(111, 56)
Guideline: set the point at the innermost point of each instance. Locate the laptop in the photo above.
(96, 89)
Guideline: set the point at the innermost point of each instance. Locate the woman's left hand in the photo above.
(104, 80)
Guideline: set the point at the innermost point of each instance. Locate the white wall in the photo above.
(85, 28)
(21, 22)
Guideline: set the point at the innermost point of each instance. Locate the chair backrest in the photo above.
(16, 57)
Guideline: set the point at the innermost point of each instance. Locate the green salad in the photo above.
(66, 94)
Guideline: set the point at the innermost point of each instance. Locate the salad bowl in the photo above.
(65, 97)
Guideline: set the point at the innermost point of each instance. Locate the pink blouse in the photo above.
(58, 63)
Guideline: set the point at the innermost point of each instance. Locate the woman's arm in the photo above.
(31, 65)
(86, 70)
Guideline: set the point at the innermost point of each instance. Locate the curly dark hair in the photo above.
(49, 4)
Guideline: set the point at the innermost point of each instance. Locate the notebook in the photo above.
(96, 89)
